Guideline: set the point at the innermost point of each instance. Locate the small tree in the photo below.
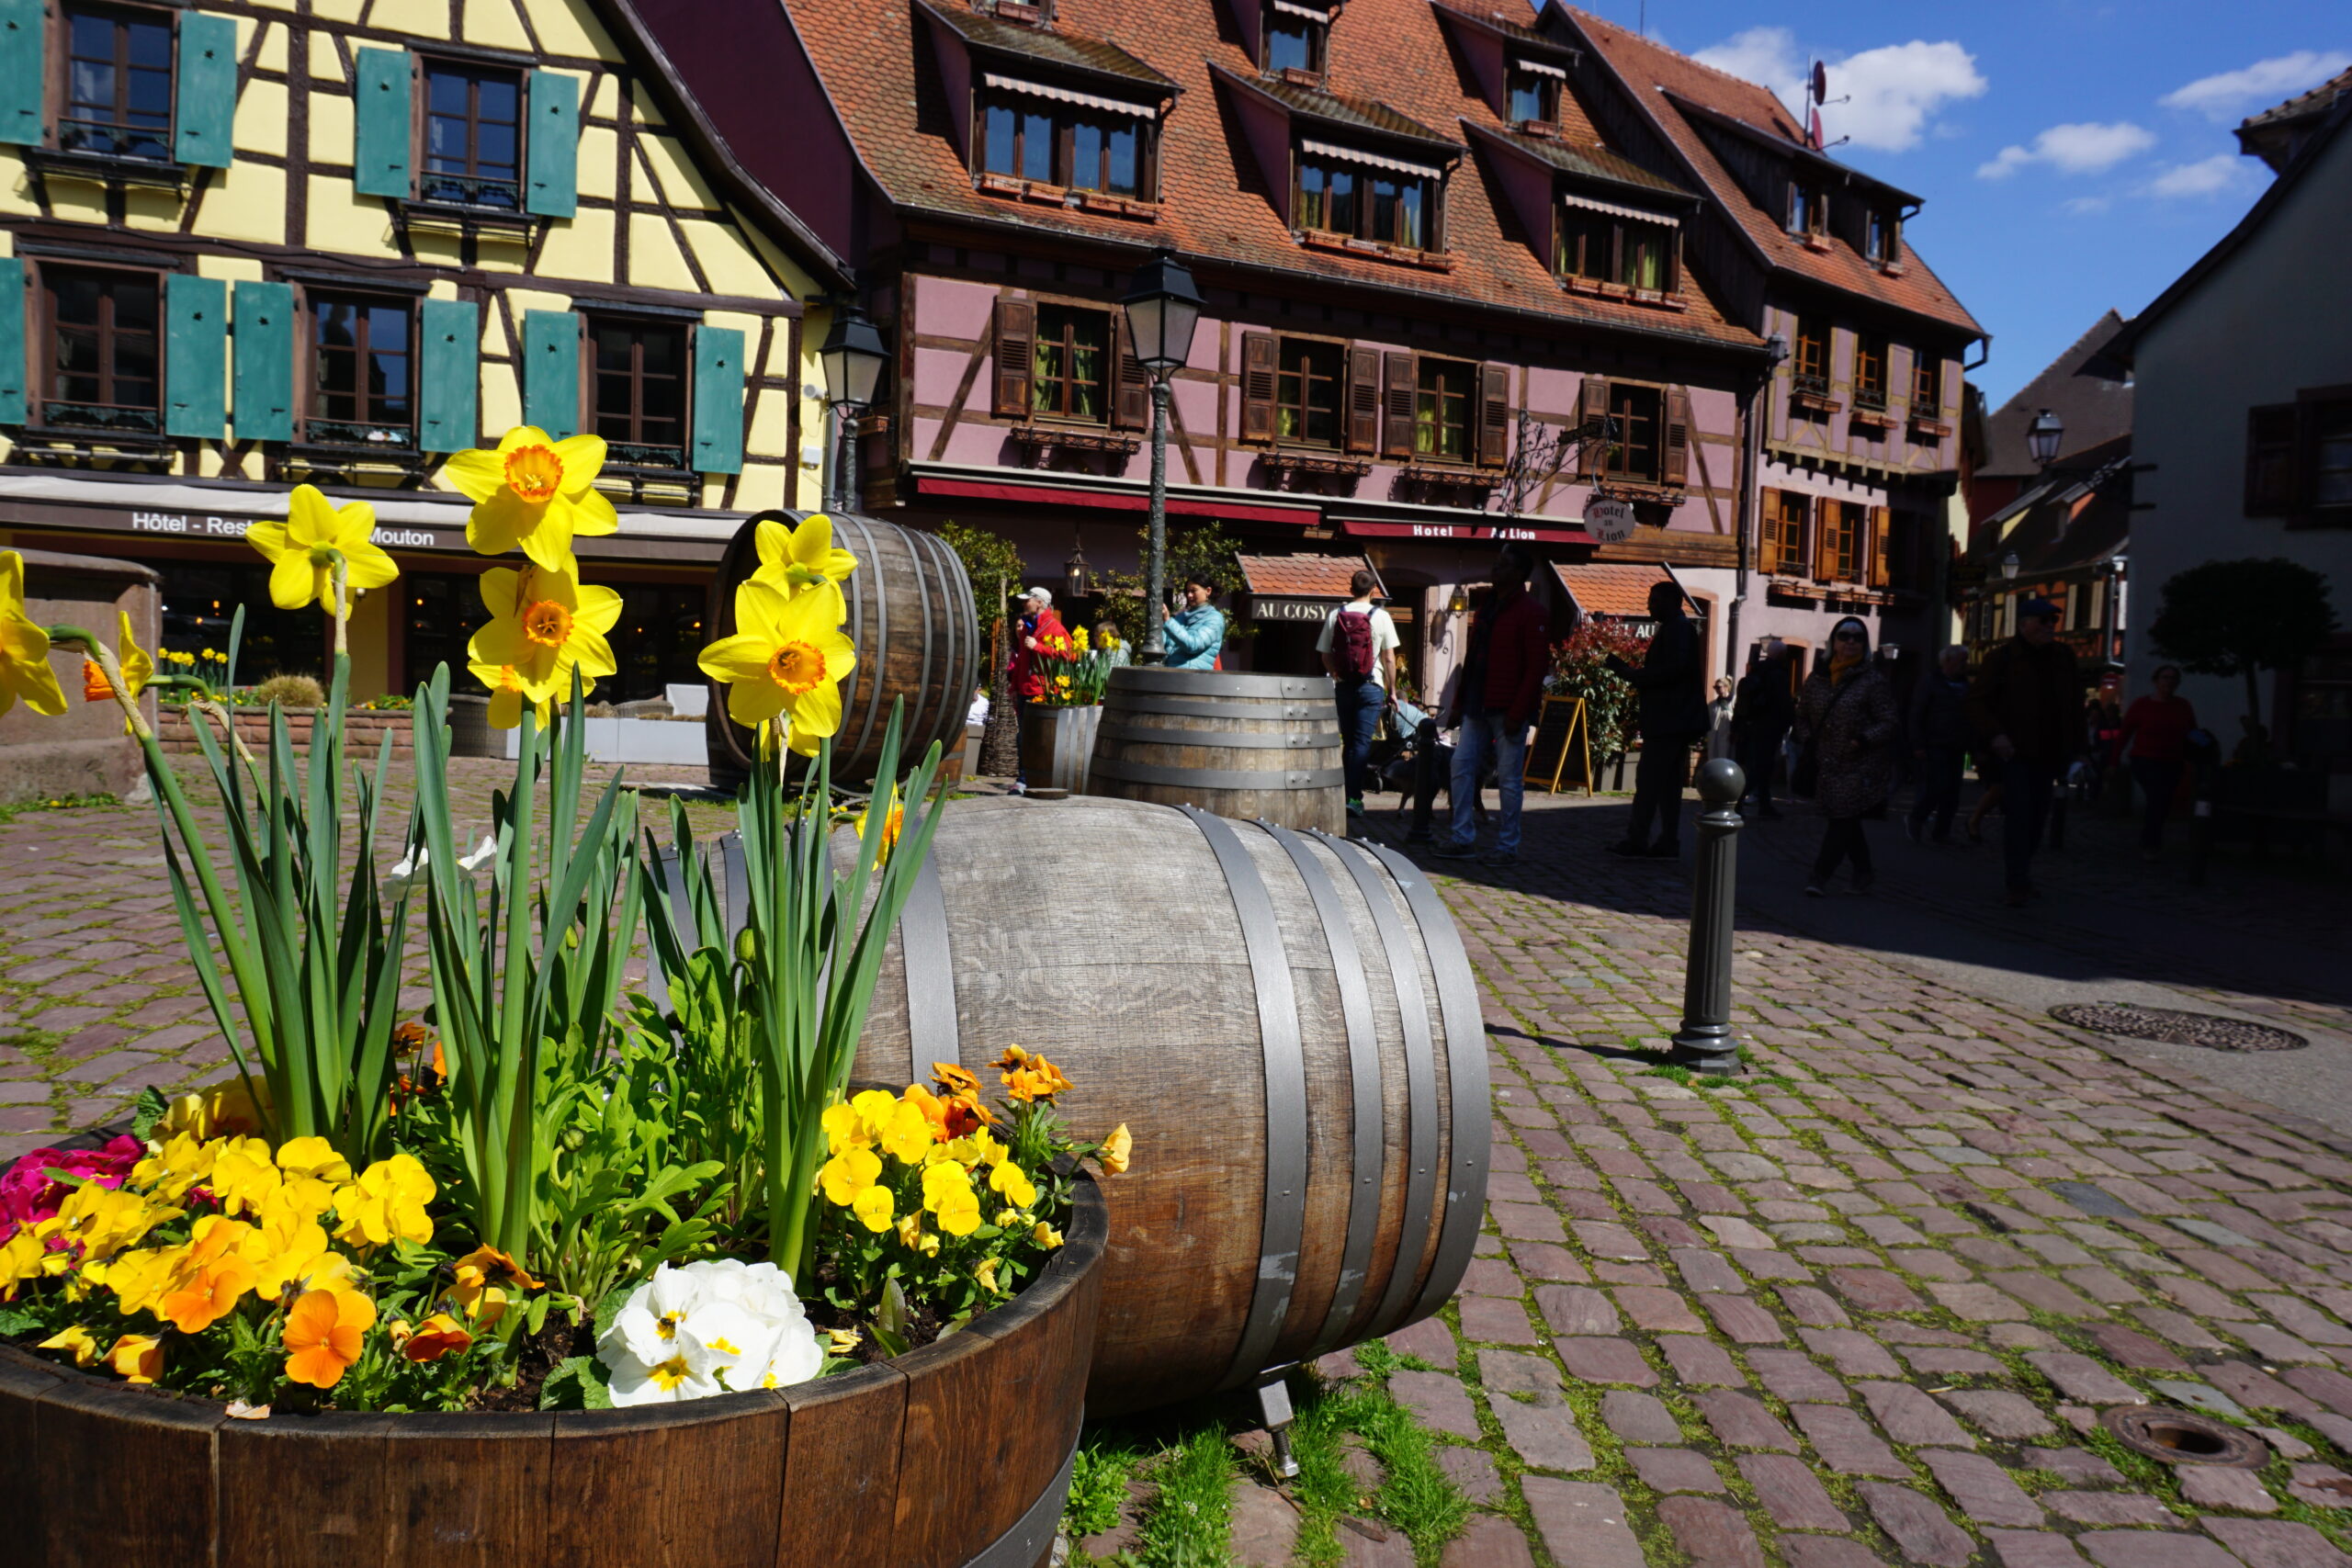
(2234, 617)
(993, 563)
(1199, 549)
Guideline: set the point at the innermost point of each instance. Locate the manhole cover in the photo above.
(2183, 1437)
(2175, 1028)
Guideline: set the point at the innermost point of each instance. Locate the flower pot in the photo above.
(1056, 745)
(956, 1453)
(469, 731)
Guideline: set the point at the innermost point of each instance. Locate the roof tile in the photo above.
(1302, 577)
(1612, 590)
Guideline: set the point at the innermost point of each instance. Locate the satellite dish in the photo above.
(1820, 82)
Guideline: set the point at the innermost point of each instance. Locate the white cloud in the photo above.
(2084, 148)
(2085, 205)
(1892, 91)
(2206, 177)
(2230, 95)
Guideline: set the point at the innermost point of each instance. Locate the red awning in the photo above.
(1114, 501)
(1358, 528)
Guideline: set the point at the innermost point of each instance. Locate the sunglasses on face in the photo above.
(1850, 637)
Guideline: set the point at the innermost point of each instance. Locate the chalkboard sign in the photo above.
(1562, 750)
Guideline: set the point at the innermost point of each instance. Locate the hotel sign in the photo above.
(1357, 528)
(191, 525)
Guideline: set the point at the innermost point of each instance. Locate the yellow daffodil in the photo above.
(1117, 1150)
(784, 663)
(873, 1208)
(75, 1342)
(893, 821)
(534, 492)
(324, 1332)
(388, 1201)
(24, 646)
(507, 694)
(543, 623)
(139, 1357)
(137, 667)
(301, 550)
(797, 559)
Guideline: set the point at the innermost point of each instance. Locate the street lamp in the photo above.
(1162, 307)
(2009, 564)
(852, 357)
(1076, 577)
(2041, 437)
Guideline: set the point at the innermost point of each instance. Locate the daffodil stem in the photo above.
(341, 605)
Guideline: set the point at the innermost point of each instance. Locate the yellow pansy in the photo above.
(985, 1272)
(873, 1207)
(283, 1250)
(20, 1259)
(24, 646)
(224, 1109)
(1045, 1235)
(101, 1221)
(796, 558)
(244, 1176)
(544, 622)
(138, 1356)
(1012, 1184)
(179, 1165)
(947, 1192)
(845, 1128)
(138, 1279)
(849, 1173)
(910, 1231)
(907, 1135)
(534, 492)
(784, 663)
(314, 1170)
(507, 694)
(387, 1202)
(1117, 1150)
(75, 1342)
(301, 550)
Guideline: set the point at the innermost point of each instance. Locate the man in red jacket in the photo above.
(1494, 699)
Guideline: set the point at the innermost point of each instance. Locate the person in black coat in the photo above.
(1672, 686)
(1761, 716)
(1941, 735)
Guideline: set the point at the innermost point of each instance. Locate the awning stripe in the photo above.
(1356, 155)
(1541, 68)
(1308, 12)
(1638, 214)
(1068, 95)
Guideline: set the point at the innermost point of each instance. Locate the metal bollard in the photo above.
(1705, 1043)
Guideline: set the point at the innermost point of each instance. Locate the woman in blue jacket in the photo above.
(1195, 635)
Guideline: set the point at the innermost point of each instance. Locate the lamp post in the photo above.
(2043, 435)
(1162, 309)
(853, 356)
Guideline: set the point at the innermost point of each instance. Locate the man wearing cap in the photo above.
(1040, 628)
(2026, 705)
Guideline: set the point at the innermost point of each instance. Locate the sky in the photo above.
(2072, 156)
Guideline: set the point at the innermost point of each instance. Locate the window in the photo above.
(104, 348)
(2270, 461)
(1808, 209)
(473, 137)
(1534, 95)
(1058, 144)
(118, 97)
(1606, 248)
(2330, 466)
(1840, 559)
(1307, 391)
(1879, 230)
(1812, 358)
(441, 613)
(1445, 390)
(640, 393)
(1927, 384)
(1634, 452)
(657, 640)
(361, 394)
(1388, 204)
(1070, 369)
(2298, 456)
(200, 598)
(1295, 36)
(1786, 517)
(1870, 371)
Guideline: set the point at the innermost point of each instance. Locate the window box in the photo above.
(106, 168)
(483, 222)
(1002, 184)
(1284, 462)
(1449, 477)
(1929, 426)
(1045, 195)
(1041, 440)
(1543, 127)
(1370, 250)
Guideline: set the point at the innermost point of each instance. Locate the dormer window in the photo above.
(1881, 234)
(1535, 89)
(1603, 243)
(1359, 195)
(1297, 37)
(1058, 135)
(1808, 209)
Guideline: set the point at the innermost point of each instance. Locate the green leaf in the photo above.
(16, 1324)
(578, 1383)
(610, 1306)
(150, 1108)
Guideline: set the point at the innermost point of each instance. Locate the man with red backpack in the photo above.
(1359, 647)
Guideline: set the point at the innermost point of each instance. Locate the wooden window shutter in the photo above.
(1260, 360)
(1396, 388)
(552, 371)
(1015, 351)
(264, 358)
(1592, 422)
(1824, 541)
(24, 70)
(717, 412)
(1494, 414)
(448, 375)
(1768, 535)
(380, 122)
(1131, 402)
(1363, 400)
(204, 99)
(12, 341)
(2271, 460)
(195, 356)
(1881, 542)
(1678, 437)
(551, 154)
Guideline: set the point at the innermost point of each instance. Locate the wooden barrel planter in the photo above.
(911, 615)
(956, 1455)
(1287, 1021)
(1056, 743)
(1255, 747)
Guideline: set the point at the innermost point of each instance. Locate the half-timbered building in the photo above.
(251, 244)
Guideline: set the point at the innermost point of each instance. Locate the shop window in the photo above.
(1070, 365)
(440, 613)
(657, 640)
(199, 599)
(1534, 93)
(1297, 37)
(104, 349)
(1870, 371)
(1052, 143)
(361, 354)
(473, 136)
(1606, 247)
(641, 392)
(1388, 202)
(1927, 384)
(1811, 366)
(1307, 391)
(118, 97)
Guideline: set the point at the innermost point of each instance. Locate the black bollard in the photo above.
(1705, 1043)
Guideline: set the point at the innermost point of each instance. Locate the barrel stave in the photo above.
(1245, 746)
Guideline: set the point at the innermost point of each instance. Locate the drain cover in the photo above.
(2183, 1437)
(2175, 1028)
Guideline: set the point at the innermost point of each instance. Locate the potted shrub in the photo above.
(1057, 726)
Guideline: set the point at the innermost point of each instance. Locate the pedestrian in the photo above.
(1195, 635)
(1358, 643)
(1672, 687)
(1040, 631)
(1494, 699)
(1719, 712)
(1761, 712)
(2154, 742)
(2027, 703)
(1939, 744)
(1847, 719)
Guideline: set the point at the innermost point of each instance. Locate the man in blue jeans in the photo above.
(1494, 701)
(1359, 647)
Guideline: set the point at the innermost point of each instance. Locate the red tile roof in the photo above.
(1302, 577)
(1655, 77)
(878, 65)
(1621, 591)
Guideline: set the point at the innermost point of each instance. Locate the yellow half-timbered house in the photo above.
(248, 244)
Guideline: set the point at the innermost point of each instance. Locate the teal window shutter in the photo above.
(12, 341)
(380, 119)
(551, 186)
(196, 355)
(448, 380)
(718, 400)
(552, 371)
(264, 362)
(204, 101)
(23, 70)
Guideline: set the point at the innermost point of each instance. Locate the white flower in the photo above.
(406, 870)
(482, 856)
(706, 1328)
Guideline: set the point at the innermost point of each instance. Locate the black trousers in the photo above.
(1841, 839)
(1760, 758)
(1938, 795)
(1658, 779)
(2158, 781)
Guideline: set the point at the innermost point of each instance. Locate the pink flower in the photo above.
(28, 1194)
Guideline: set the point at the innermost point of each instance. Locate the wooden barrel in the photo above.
(1255, 747)
(1057, 744)
(957, 1454)
(911, 615)
(1286, 1022)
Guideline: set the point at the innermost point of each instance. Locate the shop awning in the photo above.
(1108, 500)
(1519, 528)
(1375, 159)
(1618, 593)
(1302, 577)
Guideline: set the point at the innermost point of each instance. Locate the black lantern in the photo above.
(853, 356)
(2043, 435)
(2009, 564)
(1163, 307)
(1077, 579)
